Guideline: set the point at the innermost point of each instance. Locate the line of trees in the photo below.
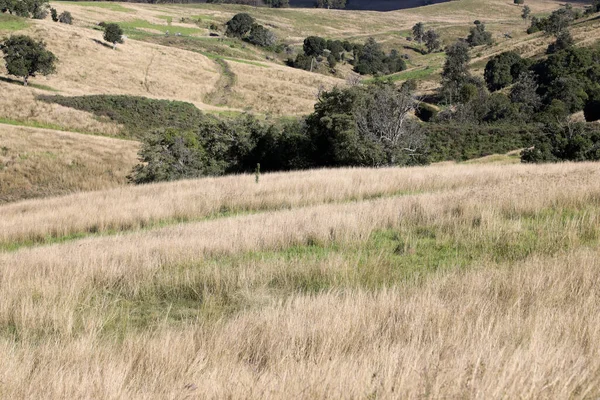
(368, 58)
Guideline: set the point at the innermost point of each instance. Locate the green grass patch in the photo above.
(12, 23)
(221, 286)
(420, 73)
(98, 4)
(213, 48)
(130, 26)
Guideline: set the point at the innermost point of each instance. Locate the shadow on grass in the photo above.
(100, 42)
(20, 83)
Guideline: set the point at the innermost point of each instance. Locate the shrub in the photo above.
(139, 115)
(65, 18)
(240, 25)
(113, 34)
(479, 36)
(261, 36)
(571, 142)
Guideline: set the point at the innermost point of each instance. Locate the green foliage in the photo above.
(559, 20)
(54, 14)
(331, 60)
(519, 1)
(569, 76)
(526, 12)
(139, 115)
(358, 126)
(113, 34)
(479, 36)
(524, 95)
(302, 61)
(466, 141)
(240, 25)
(564, 40)
(594, 7)
(37, 9)
(570, 142)
(456, 71)
(418, 31)
(432, 40)
(26, 57)
(65, 18)
(336, 48)
(372, 60)
(261, 36)
(277, 3)
(331, 3)
(314, 46)
(503, 69)
(168, 155)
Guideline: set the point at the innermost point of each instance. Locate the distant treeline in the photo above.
(372, 5)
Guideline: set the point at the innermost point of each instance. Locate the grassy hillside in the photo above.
(217, 74)
(41, 162)
(229, 288)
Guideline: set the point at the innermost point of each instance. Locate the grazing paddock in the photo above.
(442, 281)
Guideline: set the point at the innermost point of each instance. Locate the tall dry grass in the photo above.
(42, 162)
(483, 286)
(527, 330)
(133, 208)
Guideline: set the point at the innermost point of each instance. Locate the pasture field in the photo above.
(189, 67)
(444, 281)
(478, 279)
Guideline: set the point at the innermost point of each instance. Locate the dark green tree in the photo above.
(53, 14)
(432, 40)
(314, 46)
(479, 36)
(418, 32)
(113, 34)
(558, 21)
(563, 41)
(261, 36)
(456, 71)
(502, 70)
(26, 57)
(524, 94)
(240, 25)
(526, 12)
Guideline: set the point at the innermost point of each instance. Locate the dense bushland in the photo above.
(138, 115)
(367, 59)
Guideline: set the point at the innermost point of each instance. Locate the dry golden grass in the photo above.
(487, 288)
(133, 208)
(19, 104)
(86, 67)
(278, 90)
(41, 162)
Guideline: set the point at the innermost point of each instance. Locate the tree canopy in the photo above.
(26, 57)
